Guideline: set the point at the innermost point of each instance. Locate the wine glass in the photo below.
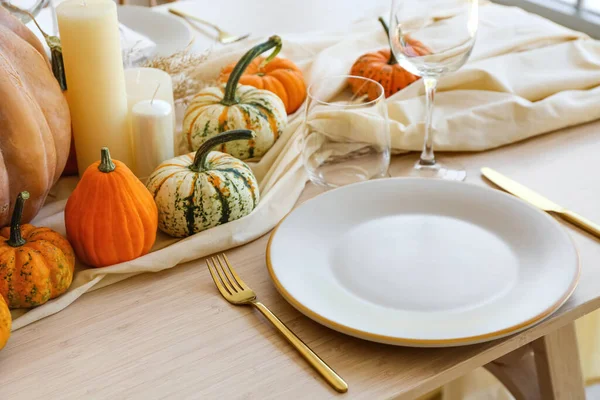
(431, 38)
(32, 7)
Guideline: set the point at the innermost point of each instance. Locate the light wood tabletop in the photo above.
(171, 335)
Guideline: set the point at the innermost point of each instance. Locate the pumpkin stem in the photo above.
(58, 65)
(271, 56)
(106, 163)
(16, 240)
(53, 42)
(273, 42)
(199, 163)
(392, 59)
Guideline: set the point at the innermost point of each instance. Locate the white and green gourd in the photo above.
(221, 108)
(195, 192)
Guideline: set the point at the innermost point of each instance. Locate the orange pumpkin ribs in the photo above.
(36, 264)
(382, 67)
(110, 216)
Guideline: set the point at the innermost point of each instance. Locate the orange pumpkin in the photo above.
(382, 66)
(35, 123)
(278, 75)
(110, 216)
(5, 323)
(36, 264)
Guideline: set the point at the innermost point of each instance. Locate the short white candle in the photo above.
(141, 85)
(152, 135)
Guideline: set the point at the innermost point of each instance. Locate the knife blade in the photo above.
(522, 192)
(539, 201)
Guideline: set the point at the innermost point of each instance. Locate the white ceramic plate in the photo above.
(289, 18)
(169, 33)
(422, 262)
(282, 17)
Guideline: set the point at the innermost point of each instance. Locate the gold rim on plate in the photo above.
(410, 341)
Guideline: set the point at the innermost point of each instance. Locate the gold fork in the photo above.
(235, 291)
(223, 37)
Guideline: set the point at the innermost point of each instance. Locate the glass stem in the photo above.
(427, 156)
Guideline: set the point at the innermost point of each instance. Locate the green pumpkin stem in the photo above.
(53, 42)
(392, 59)
(199, 163)
(273, 42)
(106, 163)
(16, 240)
(58, 65)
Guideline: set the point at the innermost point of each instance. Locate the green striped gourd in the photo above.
(221, 108)
(198, 191)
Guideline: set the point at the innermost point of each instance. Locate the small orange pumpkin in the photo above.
(277, 75)
(36, 264)
(382, 66)
(110, 216)
(5, 323)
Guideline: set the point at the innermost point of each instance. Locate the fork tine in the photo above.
(236, 277)
(212, 268)
(229, 275)
(224, 278)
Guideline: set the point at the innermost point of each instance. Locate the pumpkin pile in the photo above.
(215, 110)
(34, 120)
(198, 191)
(112, 217)
(382, 66)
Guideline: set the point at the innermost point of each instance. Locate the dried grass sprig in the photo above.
(182, 66)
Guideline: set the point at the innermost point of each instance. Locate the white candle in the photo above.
(89, 32)
(141, 85)
(142, 82)
(152, 135)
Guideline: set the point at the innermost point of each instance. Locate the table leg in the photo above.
(547, 369)
(517, 372)
(558, 366)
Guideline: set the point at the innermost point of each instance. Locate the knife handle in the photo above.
(581, 222)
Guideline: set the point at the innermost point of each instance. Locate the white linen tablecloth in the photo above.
(527, 76)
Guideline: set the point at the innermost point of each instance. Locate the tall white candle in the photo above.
(152, 134)
(96, 94)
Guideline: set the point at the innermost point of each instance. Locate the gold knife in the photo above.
(540, 201)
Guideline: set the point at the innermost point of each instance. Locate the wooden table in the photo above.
(170, 335)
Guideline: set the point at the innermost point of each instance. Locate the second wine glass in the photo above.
(431, 38)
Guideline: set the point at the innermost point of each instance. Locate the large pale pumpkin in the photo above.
(36, 264)
(5, 323)
(198, 191)
(35, 124)
(110, 216)
(218, 109)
